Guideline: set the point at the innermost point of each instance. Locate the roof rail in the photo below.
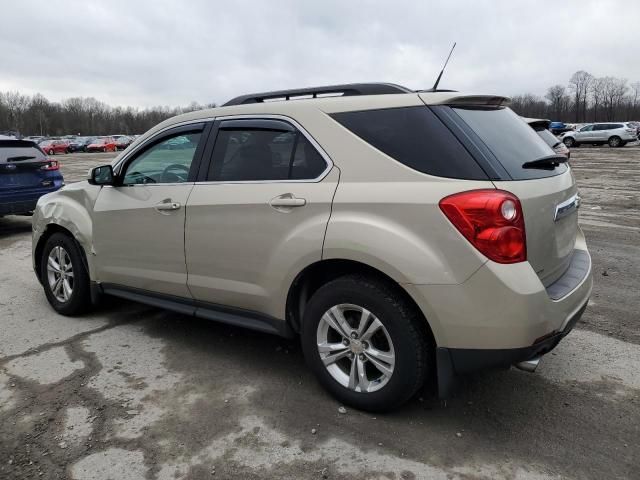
(345, 90)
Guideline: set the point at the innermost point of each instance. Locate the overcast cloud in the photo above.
(145, 53)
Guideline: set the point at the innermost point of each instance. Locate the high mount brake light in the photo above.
(491, 220)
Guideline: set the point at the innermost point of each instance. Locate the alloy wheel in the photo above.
(60, 274)
(355, 348)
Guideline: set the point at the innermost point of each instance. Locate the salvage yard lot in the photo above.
(133, 392)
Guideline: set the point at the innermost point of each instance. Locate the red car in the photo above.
(51, 147)
(102, 144)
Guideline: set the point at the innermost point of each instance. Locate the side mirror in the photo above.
(102, 175)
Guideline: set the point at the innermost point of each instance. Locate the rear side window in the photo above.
(20, 151)
(415, 137)
(259, 154)
(510, 140)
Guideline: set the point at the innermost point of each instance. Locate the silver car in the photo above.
(615, 134)
(402, 236)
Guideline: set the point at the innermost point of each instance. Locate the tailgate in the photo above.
(551, 221)
(21, 165)
(25, 175)
(547, 191)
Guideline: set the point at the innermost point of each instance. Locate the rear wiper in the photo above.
(549, 162)
(19, 159)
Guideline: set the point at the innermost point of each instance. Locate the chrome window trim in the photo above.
(300, 128)
(128, 155)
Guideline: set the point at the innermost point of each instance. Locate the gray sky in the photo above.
(159, 52)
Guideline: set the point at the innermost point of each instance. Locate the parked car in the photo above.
(636, 125)
(615, 134)
(102, 144)
(123, 142)
(541, 127)
(52, 147)
(559, 127)
(439, 236)
(26, 173)
(80, 144)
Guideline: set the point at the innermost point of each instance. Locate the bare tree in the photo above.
(557, 96)
(580, 84)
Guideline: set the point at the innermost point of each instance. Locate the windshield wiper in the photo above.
(19, 159)
(549, 162)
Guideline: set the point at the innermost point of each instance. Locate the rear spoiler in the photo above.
(537, 122)
(442, 98)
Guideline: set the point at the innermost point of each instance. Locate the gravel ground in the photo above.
(131, 392)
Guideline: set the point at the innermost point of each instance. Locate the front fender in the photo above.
(70, 208)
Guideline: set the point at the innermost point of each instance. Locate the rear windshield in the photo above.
(20, 151)
(415, 137)
(549, 138)
(511, 140)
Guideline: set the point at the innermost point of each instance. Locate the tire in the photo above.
(51, 151)
(79, 299)
(104, 150)
(569, 142)
(402, 338)
(615, 142)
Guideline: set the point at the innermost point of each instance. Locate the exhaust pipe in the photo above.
(528, 365)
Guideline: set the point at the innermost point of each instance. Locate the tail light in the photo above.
(50, 165)
(491, 220)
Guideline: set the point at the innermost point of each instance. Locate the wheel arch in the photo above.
(317, 274)
(50, 230)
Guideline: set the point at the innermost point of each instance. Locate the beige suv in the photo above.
(402, 235)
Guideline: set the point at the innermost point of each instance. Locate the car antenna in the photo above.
(435, 85)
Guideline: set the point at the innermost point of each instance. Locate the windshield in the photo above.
(512, 141)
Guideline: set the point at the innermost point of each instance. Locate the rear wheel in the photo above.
(64, 275)
(366, 344)
(569, 142)
(615, 142)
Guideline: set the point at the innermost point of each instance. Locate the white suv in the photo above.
(402, 235)
(614, 134)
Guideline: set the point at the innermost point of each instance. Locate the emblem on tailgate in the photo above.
(567, 207)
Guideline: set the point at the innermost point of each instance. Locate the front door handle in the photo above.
(167, 206)
(287, 201)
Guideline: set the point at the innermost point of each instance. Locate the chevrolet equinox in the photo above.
(403, 235)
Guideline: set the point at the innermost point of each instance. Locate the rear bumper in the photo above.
(25, 202)
(464, 360)
(504, 306)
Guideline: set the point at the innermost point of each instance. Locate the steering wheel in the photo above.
(170, 177)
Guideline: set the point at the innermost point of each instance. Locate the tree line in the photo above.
(584, 99)
(36, 115)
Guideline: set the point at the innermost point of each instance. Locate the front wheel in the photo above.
(365, 343)
(569, 142)
(64, 275)
(51, 152)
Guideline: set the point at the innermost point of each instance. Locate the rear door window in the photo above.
(263, 150)
(510, 140)
(415, 137)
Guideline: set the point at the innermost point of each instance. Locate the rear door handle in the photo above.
(167, 206)
(287, 201)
